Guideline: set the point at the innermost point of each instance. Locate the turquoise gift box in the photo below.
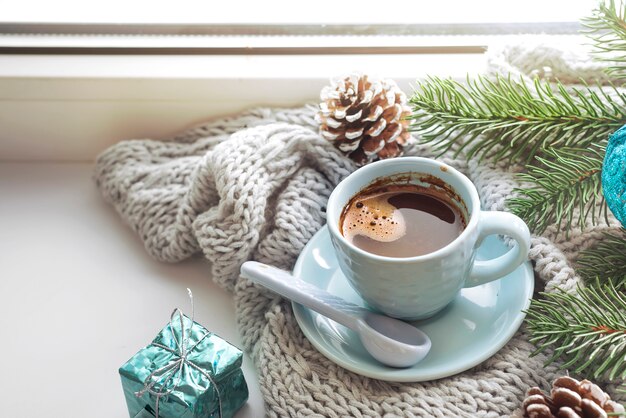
(186, 372)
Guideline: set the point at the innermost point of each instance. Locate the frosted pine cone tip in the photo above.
(364, 118)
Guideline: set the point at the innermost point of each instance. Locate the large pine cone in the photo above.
(570, 398)
(365, 118)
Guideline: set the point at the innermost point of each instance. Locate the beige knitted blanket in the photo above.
(254, 186)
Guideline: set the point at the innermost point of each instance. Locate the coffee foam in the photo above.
(375, 218)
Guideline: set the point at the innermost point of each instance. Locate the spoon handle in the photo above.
(299, 291)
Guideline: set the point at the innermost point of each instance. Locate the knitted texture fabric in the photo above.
(255, 187)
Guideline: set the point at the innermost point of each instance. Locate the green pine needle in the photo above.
(564, 181)
(607, 30)
(587, 332)
(563, 133)
(508, 119)
(605, 262)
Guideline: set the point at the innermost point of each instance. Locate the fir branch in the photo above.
(586, 332)
(605, 262)
(503, 118)
(565, 181)
(606, 27)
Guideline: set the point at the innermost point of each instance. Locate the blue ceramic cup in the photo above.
(419, 287)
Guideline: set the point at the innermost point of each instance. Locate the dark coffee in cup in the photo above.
(401, 220)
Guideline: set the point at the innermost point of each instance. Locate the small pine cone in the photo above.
(365, 119)
(570, 398)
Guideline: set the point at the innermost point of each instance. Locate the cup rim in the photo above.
(332, 217)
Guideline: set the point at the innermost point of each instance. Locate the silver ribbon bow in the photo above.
(176, 365)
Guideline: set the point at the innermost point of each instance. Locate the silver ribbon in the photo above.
(176, 365)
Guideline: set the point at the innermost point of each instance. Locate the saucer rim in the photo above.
(400, 374)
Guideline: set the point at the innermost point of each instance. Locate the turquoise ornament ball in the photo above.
(614, 174)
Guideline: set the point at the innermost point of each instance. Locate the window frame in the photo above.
(72, 38)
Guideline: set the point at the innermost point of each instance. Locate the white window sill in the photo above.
(206, 67)
(72, 270)
(70, 108)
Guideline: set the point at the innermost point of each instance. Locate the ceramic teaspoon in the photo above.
(390, 341)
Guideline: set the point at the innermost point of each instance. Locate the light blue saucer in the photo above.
(470, 330)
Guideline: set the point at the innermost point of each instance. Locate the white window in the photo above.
(84, 74)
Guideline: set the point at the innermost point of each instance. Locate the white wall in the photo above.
(70, 108)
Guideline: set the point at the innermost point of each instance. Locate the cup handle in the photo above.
(491, 223)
